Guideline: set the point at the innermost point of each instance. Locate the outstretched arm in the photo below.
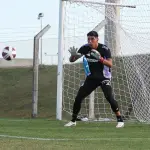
(74, 58)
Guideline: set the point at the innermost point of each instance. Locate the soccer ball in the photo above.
(9, 53)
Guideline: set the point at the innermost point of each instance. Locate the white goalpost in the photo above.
(124, 26)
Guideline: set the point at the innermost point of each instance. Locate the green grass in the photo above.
(15, 103)
(16, 92)
(86, 135)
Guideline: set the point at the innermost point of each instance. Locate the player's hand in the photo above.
(74, 54)
(97, 55)
(73, 51)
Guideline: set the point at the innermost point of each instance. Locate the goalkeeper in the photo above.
(98, 63)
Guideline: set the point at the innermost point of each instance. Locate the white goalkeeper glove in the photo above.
(73, 51)
(74, 54)
(97, 55)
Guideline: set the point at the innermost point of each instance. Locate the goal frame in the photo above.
(59, 102)
(36, 71)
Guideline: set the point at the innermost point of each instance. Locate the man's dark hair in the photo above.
(93, 33)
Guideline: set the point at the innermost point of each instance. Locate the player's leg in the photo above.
(107, 90)
(86, 89)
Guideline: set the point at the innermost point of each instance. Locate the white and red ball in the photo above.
(9, 53)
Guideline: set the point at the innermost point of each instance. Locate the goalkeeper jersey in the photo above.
(93, 67)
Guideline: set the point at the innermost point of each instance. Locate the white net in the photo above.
(127, 34)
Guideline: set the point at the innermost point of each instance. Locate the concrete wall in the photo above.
(20, 62)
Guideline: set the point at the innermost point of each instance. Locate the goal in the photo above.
(124, 26)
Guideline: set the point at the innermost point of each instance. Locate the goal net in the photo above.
(124, 26)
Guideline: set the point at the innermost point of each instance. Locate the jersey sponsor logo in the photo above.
(91, 60)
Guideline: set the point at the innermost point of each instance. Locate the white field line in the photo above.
(69, 139)
(14, 120)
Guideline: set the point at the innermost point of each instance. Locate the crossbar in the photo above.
(100, 3)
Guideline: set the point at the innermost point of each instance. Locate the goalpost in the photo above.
(118, 23)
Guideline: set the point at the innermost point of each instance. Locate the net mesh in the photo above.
(126, 33)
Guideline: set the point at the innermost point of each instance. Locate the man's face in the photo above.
(92, 41)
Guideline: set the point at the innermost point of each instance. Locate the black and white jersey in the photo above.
(97, 69)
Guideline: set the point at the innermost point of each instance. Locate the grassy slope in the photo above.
(16, 92)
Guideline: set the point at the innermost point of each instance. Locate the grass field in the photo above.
(16, 92)
(19, 132)
(44, 134)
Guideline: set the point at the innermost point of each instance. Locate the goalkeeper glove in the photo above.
(73, 51)
(97, 55)
(74, 54)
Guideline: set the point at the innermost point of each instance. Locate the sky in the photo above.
(19, 24)
(21, 14)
